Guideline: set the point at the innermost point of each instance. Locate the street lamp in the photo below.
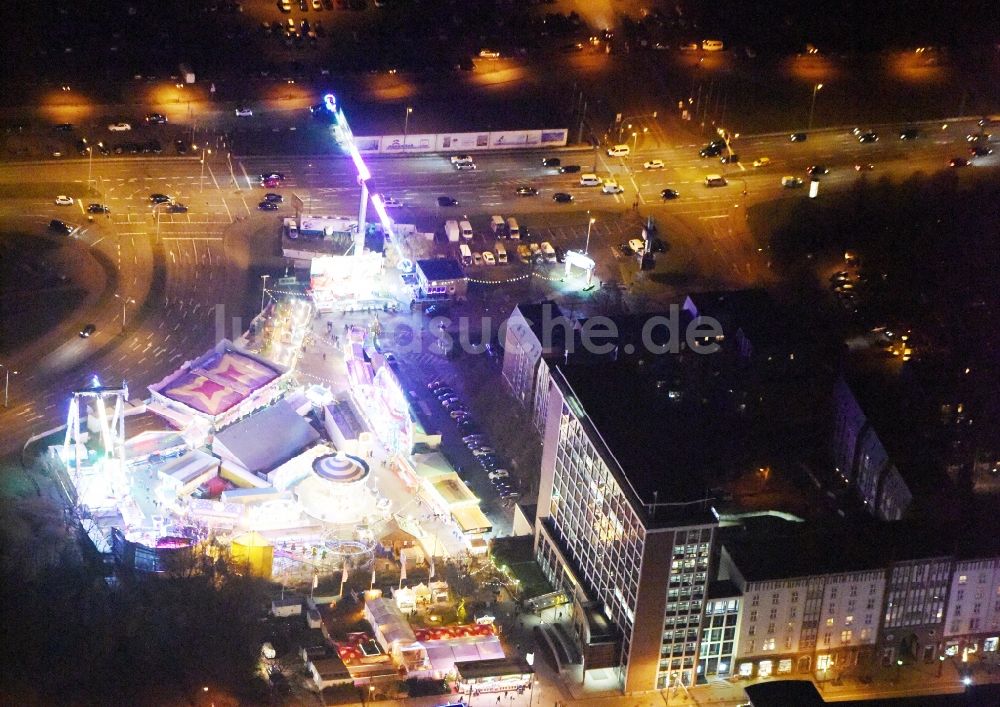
(201, 180)
(406, 125)
(812, 106)
(263, 290)
(635, 141)
(6, 382)
(90, 164)
(590, 223)
(125, 301)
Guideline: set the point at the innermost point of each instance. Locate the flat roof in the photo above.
(669, 450)
(783, 693)
(768, 548)
(493, 667)
(438, 269)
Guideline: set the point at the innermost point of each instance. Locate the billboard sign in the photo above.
(408, 143)
(462, 142)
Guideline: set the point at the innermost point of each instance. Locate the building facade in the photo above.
(597, 540)
(972, 619)
(913, 618)
(862, 461)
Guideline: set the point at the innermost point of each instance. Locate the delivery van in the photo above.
(466, 229)
(463, 249)
(513, 230)
(497, 225)
(590, 180)
(451, 230)
(501, 254)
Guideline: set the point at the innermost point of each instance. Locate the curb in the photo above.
(839, 128)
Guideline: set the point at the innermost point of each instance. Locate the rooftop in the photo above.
(437, 269)
(267, 438)
(768, 548)
(669, 446)
(752, 311)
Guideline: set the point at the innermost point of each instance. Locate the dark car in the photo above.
(958, 162)
(64, 128)
(868, 137)
(159, 198)
(730, 159)
(669, 194)
(710, 151)
(156, 119)
(981, 151)
(103, 149)
(817, 170)
(276, 198)
(267, 206)
(562, 197)
(798, 137)
(569, 169)
(909, 134)
(527, 191)
(87, 331)
(181, 146)
(97, 209)
(272, 175)
(551, 162)
(59, 226)
(152, 147)
(658, 246)
(447, 201)
(177, 209)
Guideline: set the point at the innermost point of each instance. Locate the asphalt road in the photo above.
(176, 287)
(202, 256)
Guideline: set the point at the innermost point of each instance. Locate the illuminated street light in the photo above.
(590, 223)
(406, 125)
(6, 382)
(125, 301)
(635, 141)
(263, 290)
(812, 106)
(201, 182)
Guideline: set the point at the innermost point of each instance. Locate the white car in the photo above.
(119, 127)
(64, 200)
(792, 182)
(457, 159)
(243, 112)
(619, 151)
(637, 245)
(489, 258)
(611, 187)
(489, 54)
(391, 203)
(762, 162)
(498, 474)
(653, 164)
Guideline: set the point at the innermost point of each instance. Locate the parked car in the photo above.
(447, 201)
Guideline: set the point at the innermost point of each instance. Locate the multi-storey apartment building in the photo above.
(620, 523)
(913, 615)
(972, 619)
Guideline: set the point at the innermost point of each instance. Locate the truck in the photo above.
(466, 255)
(451, 230)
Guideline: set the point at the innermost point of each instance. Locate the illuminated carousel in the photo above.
(340, 493)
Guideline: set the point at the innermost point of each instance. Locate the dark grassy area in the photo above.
(517, 555)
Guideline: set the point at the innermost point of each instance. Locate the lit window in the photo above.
(829, 622)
